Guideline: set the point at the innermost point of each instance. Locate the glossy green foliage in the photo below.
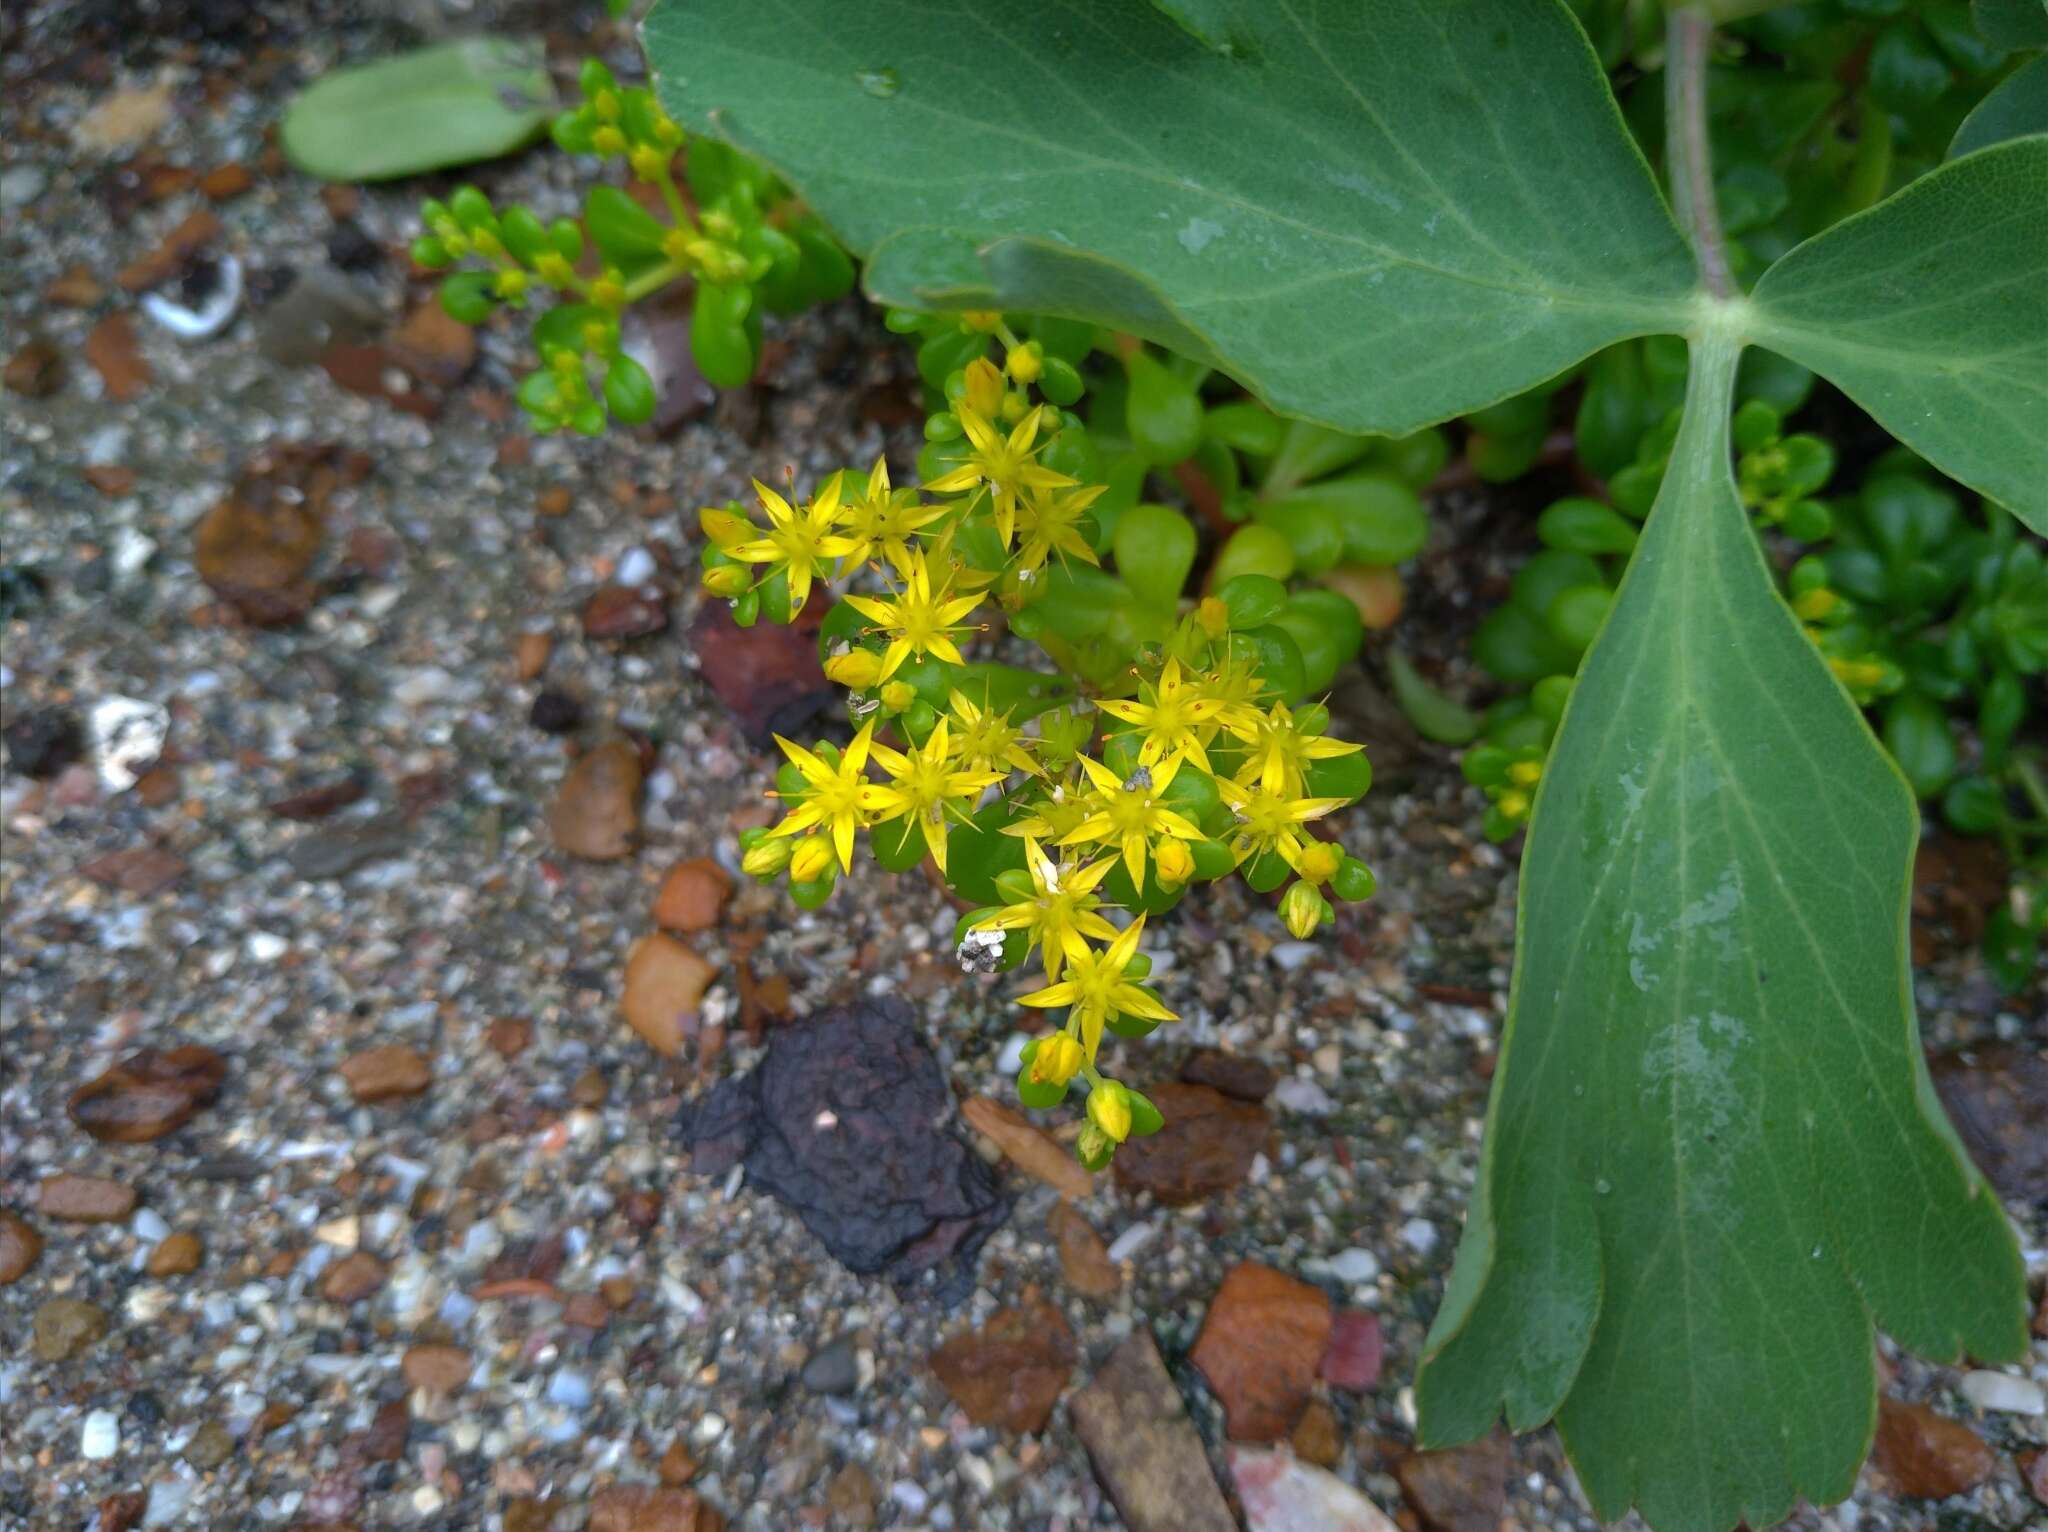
(448, 104)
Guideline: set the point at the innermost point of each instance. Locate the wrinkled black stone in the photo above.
(881, 1181)
(145, 1409)
(555, 712)
(833, 1369)
(42, 743)
(352, 250)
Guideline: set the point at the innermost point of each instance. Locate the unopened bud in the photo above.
(1173, 861)
(1301, 910)
(984, 388)
(811, 860)
(897, 696)
(1320, 861)
(1110, 1110)
(765, 858)
(728, 580)
(1026, 363)
(856, 670)
(1057, 1060)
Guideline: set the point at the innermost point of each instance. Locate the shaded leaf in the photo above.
(2012, 23)
(1363, 238)
(2016, 107)
(450, 104)
(1710, 1106)
(1931, 311)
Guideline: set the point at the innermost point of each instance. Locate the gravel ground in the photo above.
(675, 1308)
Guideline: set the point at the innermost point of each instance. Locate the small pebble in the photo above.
(1355, 1265)
(101, 1437)
(569, 1389)
(1419, 1235)
(2004, 1392)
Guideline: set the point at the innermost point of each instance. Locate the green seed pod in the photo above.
(1354, 881)
(1161, 411)
(470, 208)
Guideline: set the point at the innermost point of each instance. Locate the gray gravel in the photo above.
(774, 1366)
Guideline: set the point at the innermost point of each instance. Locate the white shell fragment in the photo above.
(210, 317)
(127, 737)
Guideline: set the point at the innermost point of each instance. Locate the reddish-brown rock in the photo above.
(1926, 1456)
(597, 808)
(1010, 1372)
(677, 1467)
(20, 1247)
(75, 288)
(1032, 1150)
(176, 1255)
(138, 871)
(122, 1512)
(36, 371)
(1206, 1147)
(768, 676)
(199, 230)
(1314, 1438)
(646, 1508)
(530, 653)
(692, 895)
(84, 1199)
(1352, 1359)
(625, 611)
(148, 1094)
(1460, 1489)
(352, 1278)
(116, 356)
(1239, 1077)
(665, 984)
(430, 345)
(382, 1074)
(436, 1369)
(1084, 1259)
(1261, 1342)
(226, 182)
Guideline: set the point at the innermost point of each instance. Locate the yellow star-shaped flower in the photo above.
(1096, 988)
(925, 784)
(833, 796)
(1130, 814)
(918, 620)
(1004, 466)
(801, 541)
(1062, 903)
(1173, 714)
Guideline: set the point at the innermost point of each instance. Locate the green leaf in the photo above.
(1710, 1115)
(451, 104)
(1931, 311)
(2012, 23)
(1364, 239)
(2016, 107)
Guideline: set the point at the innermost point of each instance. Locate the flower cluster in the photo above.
(1067, 821)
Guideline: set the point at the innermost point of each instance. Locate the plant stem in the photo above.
(651, 280)
(1687, 151)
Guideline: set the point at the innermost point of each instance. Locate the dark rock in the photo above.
(43, 742)
(625, 611)
(1240, 1078)
(768, 676)
(834, 1368)
(841, 1121)
(555, 712)
(341, 849)
(1145, 1450)
(1997, 1096)
(1460, 1489)
(316, 803)
(148, 1094)
(350, 249)
(1206, 1147)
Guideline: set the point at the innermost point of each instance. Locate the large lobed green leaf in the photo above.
(1931, 311)
(1375, 216)
(1712, 1157)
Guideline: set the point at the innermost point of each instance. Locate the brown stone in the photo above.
(1997, 1097)
(851, 1496)
(111, 479)
(431, 345)
(384, 1441)
(277, 1414)
(509, 1036)
(342, 201)
(1241, 1078)
(254, 555)
(1031, 1149)
(148, 1094)
(618, 1292)
(20, 1247)
(764, 675)
(588, 1310)
(1010, 1372)
(692, 895)
(1315, 1438)
(523, 1513)
(597, 808)
(1206, 1147)
(1144, 1448)
(158, 787)
(139, 871)
(555, 500)
(175, 1255)
(122, 1512)
(226, 182)
(2033, 1467)
(84, 1199)
(116, 356)
(590, 1088)
(352, 1278)
(665, 984)
(1924, 1456)
(1460, 1489)
(643, 1508)
(375, 371)
(383, 1074)
(63, 1327)
(1259, 1347)
(625, 611)
(199, 230)
(76, 288)
(677, 1467)
(36, 371)
(436, 1369)
(1084, 1259)
(210, 1446)
(530, 654)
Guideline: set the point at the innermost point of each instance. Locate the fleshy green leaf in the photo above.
(1377, 217)
(450, 104)
(1931, 311)
(1713, 1159)
(2012, 23)
(2016, 107)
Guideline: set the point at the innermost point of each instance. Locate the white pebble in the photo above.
(101, 1437)
(908, 1494)
(1291, 955)
(2002, 1391)
(1011, 1059)
(569, 1389)
(1419, 1235)
(149, 1226)
(636, 567)
(266, 947)
(1304, 1096)
(1355, 1265)
(168, 1498)
(424, 685)
(127, 737)
(1131, 1241)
